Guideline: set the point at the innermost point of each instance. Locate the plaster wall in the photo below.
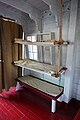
(76, 81)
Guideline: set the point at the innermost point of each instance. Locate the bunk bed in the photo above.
(43, 87)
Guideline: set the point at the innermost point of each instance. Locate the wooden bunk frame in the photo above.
(43, 68)
(42, 87)
(46, 87)
(39, 66)
(41, 43)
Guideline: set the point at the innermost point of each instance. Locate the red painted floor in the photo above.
(77, 117)
(26, 105)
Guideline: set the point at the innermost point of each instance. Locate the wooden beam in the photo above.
(41, 43)
(25, 42)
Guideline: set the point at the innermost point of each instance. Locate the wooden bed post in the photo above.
(18, 86)
(53, 106)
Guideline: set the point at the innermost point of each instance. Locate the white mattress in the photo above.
(41, 85)
(37, 66)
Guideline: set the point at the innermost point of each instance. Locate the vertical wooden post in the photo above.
(60, 36)
(59, 52)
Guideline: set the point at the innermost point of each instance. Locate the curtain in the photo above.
(9, 51)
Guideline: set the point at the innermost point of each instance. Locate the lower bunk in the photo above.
(40, 86)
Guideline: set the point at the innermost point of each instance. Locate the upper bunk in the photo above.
(39, 66)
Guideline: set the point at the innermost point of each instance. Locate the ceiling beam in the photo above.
(46, 1)
(54, 6)
(23, 6)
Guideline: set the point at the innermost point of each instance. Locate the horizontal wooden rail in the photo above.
(41, 43)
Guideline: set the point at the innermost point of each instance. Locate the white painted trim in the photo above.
(60, 99)
(70, 52)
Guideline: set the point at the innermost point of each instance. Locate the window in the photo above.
(32, 49)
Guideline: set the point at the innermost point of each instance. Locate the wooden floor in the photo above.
(26, 105)
(77, 117)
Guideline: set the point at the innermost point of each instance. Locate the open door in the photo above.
(9, 52)
(0, 69)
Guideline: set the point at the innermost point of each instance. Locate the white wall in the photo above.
(76, 82)
(32, 26)
(49, 24)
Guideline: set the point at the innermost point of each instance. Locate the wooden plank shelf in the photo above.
(42, 43)
(37, 66)
(46, 87)
(45, 33)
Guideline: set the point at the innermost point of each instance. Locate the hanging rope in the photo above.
(60, 31)
(59, 42)
(60, 36)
